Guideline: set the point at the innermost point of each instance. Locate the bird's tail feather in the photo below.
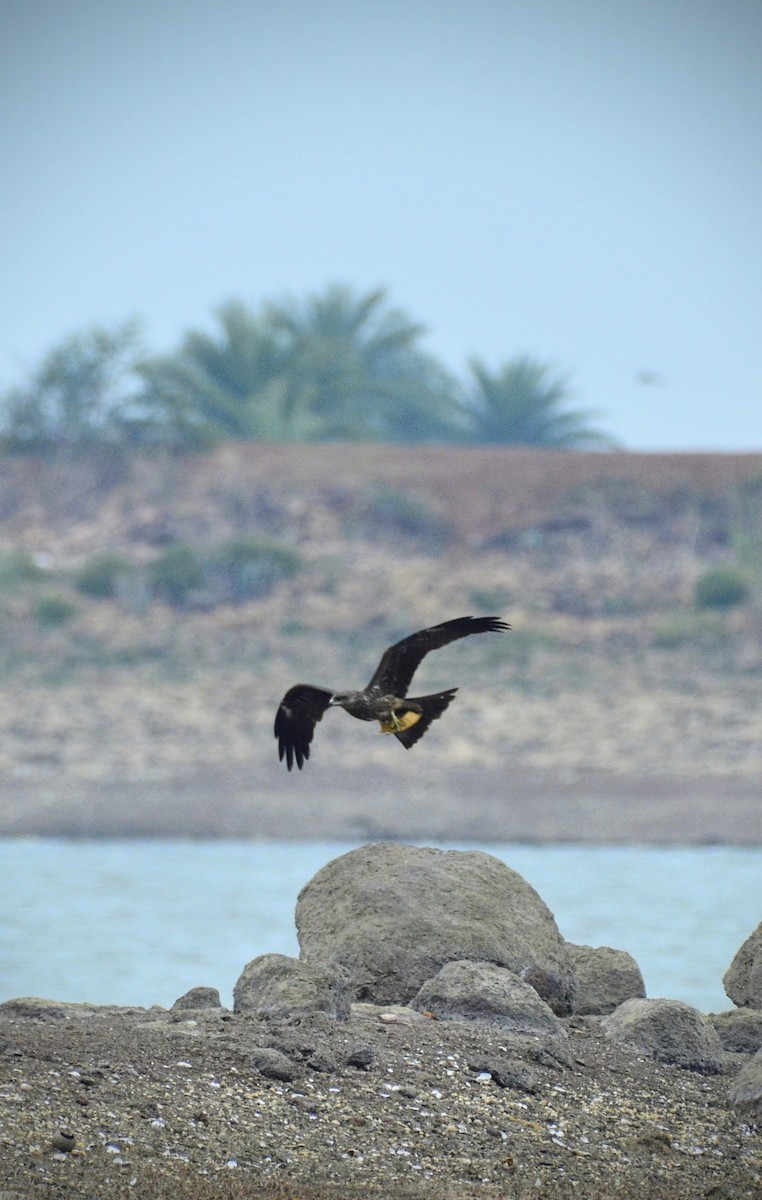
(431, 708)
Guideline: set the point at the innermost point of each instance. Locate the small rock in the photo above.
(360, 1056)
(322, 1060)
(198, 998)
(63, 1141)
(668, 1030)
(507, 1073)
(739, 1029)
(273, 1064)
(390, 1014)
(605, 978)
(276, 985)
(552, 1055)
(484, 994)
(746, 1090)
(653, 1141)
(34, 1007)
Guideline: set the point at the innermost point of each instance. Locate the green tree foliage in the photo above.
(249, 568)
(339, 365)
(83, 394)
(100, 575)
(177, 572)
(721, 587)
(53, 610)
(18, 568)
(222, 385)
(233, 572)
(356, 367)
(390, 511)
(525, 404)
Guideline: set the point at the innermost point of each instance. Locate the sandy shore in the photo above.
(449, 804)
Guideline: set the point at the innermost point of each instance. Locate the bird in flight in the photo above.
(384, 699)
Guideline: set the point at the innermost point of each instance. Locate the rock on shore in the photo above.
(473, 1063)
(393, 915)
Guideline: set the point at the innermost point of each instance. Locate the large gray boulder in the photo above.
(486, 995)
(668, 1030)
(276, 985)
(743, 978)
(393, 915)
(746, 1090)
(605, 978)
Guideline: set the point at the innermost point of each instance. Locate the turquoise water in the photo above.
(141, 922)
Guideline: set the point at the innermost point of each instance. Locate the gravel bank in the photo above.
(388, 1103)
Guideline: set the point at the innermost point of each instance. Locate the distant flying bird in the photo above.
(383, 700)
(648, 378)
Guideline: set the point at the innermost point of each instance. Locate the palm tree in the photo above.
(358, 366)
(223, 385)
(523, 404)
(335, 366)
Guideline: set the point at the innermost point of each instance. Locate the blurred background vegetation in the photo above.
(340, 365)
(170, 552)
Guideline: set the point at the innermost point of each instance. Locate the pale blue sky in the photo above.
(580, 180)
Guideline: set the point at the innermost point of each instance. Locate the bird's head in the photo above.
(339, 699)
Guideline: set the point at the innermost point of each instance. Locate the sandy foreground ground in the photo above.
(371, 803)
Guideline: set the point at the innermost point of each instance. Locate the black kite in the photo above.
(383, 699)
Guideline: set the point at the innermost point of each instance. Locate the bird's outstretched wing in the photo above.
(298, 713)
(400, 662)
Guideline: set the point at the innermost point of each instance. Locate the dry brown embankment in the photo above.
(482, 491)
(614, 710)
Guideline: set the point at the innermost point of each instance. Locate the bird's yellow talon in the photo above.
(396, 724)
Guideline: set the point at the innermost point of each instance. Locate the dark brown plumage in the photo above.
(384, 699)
